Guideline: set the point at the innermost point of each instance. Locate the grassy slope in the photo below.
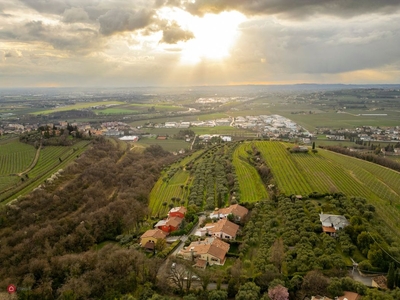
(251, 187)
(323, 172)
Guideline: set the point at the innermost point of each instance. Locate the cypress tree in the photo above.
(391, 276)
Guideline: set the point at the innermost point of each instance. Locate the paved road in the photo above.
(166, 264)
(358, 277)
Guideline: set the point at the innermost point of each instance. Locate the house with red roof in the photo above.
(177, 212)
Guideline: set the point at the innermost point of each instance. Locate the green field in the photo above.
(251, 187)
(116, 111)
(158, 107)
(51, 159)
(169, 144)
(293, 173)
(163, 192)
(328, 172)
(15, 157)
(335, 120)
(76, 106)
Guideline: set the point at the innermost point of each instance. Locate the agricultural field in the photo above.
(251, 187)
(207, 179)
(116, 111)
(51, 159)
(15, 157)
(328, 172)
(228, 168)
(173, 191)
(169, 144)
(342, 120)
(83, 105)
(288, 177)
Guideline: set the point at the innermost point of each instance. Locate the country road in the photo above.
(164, 268)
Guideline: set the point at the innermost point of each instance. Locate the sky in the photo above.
(128, 43)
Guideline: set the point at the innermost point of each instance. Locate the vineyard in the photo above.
(251, 187)
(51, 159)
(328, 172)
(225, 174)
(15, 157)
(163, 192)
(288, 177)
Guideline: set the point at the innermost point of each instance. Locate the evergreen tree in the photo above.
(391, 276)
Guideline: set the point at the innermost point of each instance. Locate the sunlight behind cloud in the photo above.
(214, 35)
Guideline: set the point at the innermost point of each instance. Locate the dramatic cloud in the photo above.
(47, 6)
(173, 33)
(75, 15)
(79, 40)
(294, 9)
(319, 47)
(117, 20)
(184, 42)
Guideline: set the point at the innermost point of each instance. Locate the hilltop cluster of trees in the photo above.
(388, 163)
(181, 135)
(52, 137)
(48, 237)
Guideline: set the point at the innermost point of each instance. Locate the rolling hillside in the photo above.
(198, 180)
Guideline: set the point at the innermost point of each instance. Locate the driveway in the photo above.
(165, 265)
(184, 238)
(358, 277)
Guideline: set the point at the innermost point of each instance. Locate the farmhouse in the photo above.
(169, 225)
(332, 223)
(179, 211)
(223, 229)
(174, 220)
(211, 250)
(238, 212)
(150, 237)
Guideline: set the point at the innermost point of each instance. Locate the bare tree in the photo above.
(177, 275)
(181, 276)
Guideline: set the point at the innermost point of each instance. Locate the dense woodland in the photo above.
(48, 238)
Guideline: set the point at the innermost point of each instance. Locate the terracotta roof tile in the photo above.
(212, 246)
(328, 229)
(155, 233)
(225, 226)
(174, 221)
(236, 210)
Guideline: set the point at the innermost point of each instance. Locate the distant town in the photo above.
(267, 126)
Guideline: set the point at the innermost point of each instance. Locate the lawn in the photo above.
(169, 144)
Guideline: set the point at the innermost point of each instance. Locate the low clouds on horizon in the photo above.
(84, 42)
